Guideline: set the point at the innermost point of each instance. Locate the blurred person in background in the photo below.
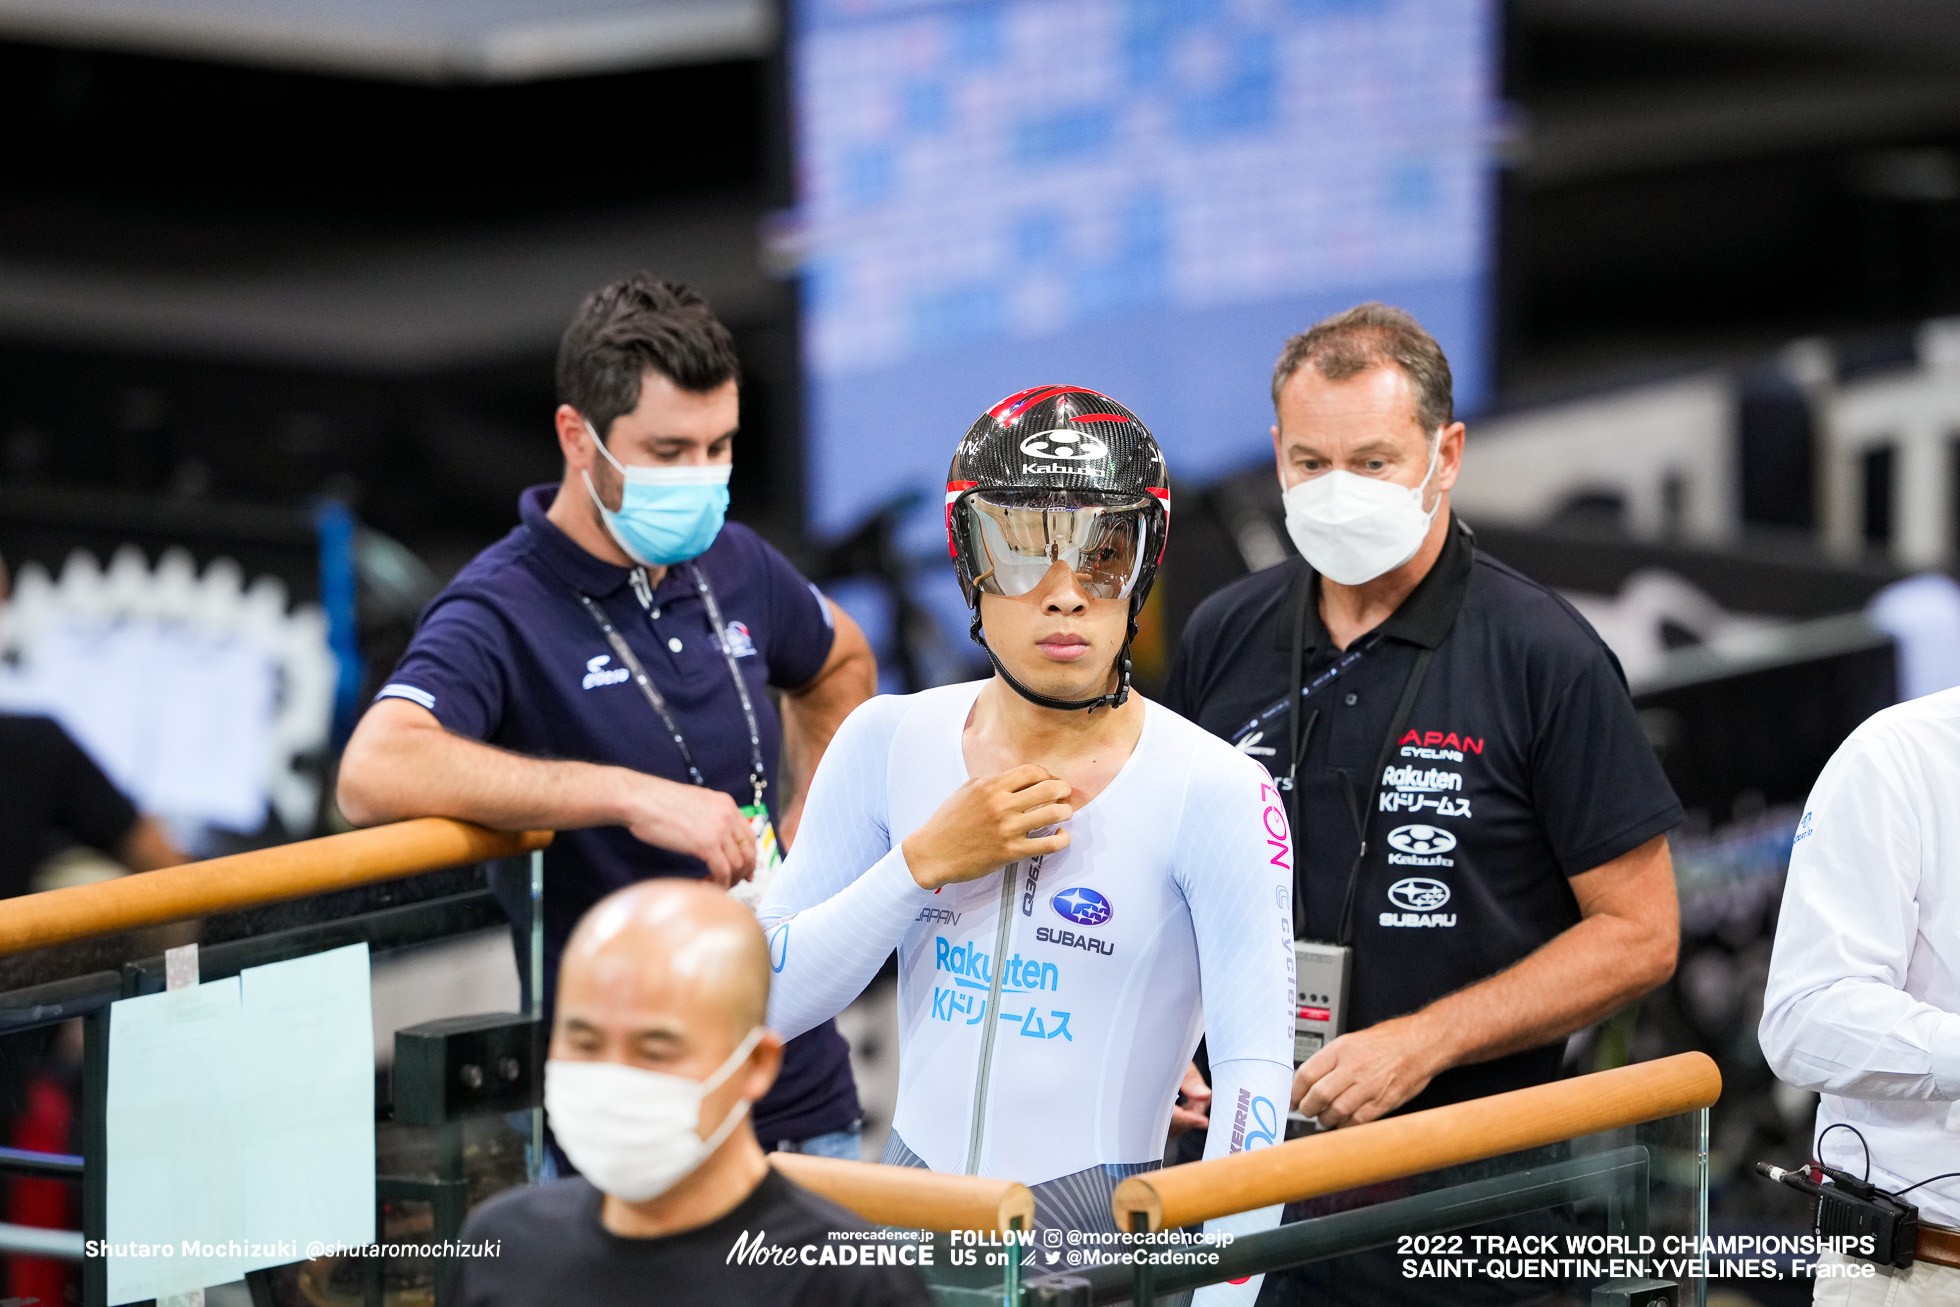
(1480, 818)
(605, 670)
(55, 799)
(658, 1053)
(1863, 1000)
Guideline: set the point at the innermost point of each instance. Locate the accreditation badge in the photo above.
(768, 851)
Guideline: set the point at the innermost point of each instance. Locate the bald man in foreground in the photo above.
(658, 1051)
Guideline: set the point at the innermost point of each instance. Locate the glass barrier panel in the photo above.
(440, 945)
(1550, 1224)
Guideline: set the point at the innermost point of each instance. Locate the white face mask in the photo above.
(630, 1131)
(1352, 528)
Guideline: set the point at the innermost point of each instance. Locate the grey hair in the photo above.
(1367, 336)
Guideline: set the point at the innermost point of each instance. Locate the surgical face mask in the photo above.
(666, 515)
(1352, 528)
(630, 1131)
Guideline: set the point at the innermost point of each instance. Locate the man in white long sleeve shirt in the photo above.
(1863, 1003)
(1078, 882)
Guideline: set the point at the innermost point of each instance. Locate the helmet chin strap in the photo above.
(1114, 699)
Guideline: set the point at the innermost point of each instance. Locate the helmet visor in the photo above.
(1016, 536)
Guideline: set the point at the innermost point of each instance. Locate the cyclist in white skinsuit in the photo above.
(1166, 917)
(1048, 1008)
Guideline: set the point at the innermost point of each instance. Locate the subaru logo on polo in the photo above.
(1419, 894)
(1081, 905)
(1064, 443)
(1421, 839)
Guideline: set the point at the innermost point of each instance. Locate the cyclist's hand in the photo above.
(985, 824)
(1194, 1113)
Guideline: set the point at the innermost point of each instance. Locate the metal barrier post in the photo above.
(450, 1203)
(372, 1292)
(534, 1005)
(95, 1153)
(1143, 1275)
(1010, 1280)
(1701, 1204)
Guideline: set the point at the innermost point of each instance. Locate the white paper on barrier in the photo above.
(171, 1068)
(240, 1124)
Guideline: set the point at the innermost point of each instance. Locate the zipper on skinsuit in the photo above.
(1010, 876)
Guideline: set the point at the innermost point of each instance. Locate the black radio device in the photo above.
(1849, 1209)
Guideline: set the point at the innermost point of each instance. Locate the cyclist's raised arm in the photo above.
(844, 897)
(1235, 864)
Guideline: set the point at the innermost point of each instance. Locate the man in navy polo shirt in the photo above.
(604, 670)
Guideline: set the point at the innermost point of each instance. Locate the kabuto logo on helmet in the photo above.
(1064, 443)
(1098, 502)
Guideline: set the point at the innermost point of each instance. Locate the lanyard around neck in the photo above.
(624, 652)
(1361, 815)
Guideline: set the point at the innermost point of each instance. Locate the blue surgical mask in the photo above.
(666, 515)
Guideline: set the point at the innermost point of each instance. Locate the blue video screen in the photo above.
(1145, 197)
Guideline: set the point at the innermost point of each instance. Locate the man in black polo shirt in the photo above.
(1499, 866)
(604, 670)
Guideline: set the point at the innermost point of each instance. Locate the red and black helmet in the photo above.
(1060, 438)
(1058, 473)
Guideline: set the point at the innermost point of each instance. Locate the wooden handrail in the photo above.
(244, 880)
(1401, 1146)
(906, 1195)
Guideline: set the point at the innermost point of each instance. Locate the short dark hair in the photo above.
(623, 329)
(1369, 335)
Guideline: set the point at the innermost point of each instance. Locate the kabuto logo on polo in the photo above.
(1420, 845)
(1419, 838)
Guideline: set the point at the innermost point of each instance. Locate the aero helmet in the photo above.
(1058, 473)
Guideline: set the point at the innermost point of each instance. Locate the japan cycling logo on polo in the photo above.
(597, 673)
(1439, 746)
(735, 638)
(1064, 443)
(1081, 905)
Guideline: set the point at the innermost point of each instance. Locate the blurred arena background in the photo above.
(280, 286)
